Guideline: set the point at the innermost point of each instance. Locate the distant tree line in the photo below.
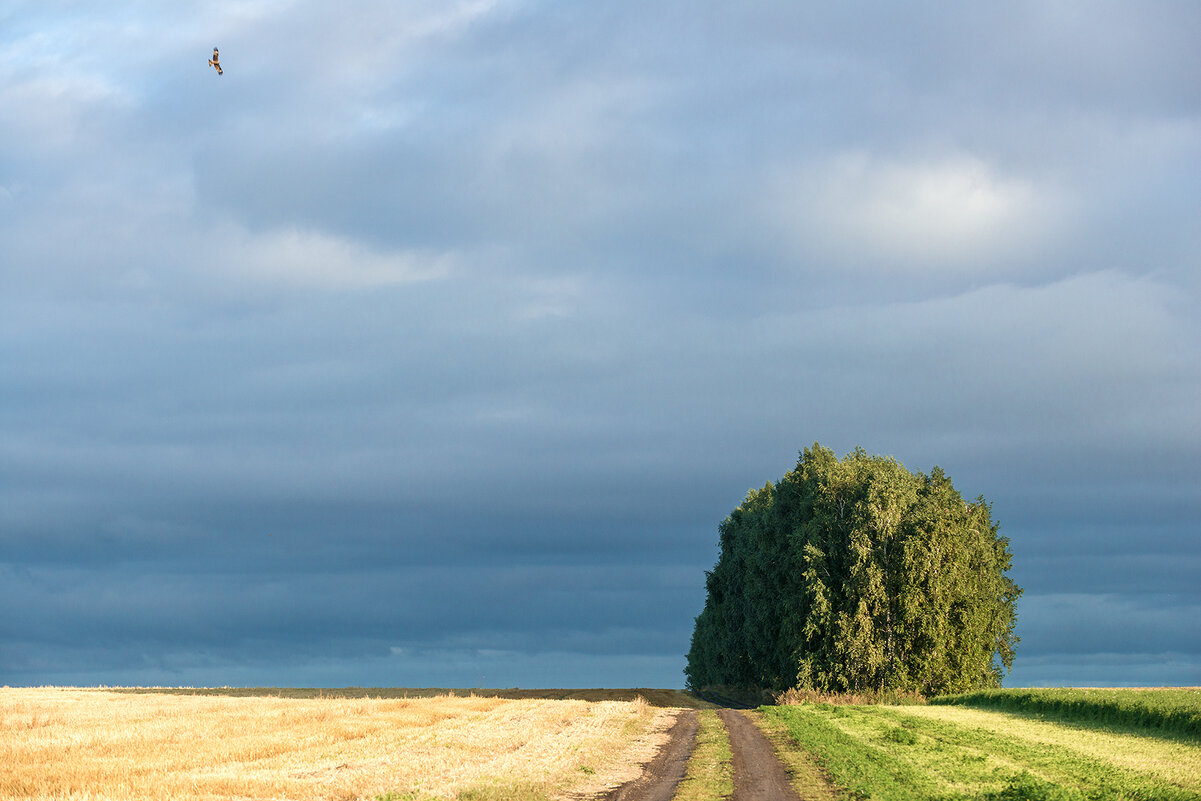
(857, 575)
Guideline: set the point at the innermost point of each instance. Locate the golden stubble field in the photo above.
(97, 744)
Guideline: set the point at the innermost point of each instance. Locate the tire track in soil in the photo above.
(662, 774)
(758, 773)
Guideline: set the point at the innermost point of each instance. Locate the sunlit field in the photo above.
(897, 753)
(1166, 710)
(99, 744)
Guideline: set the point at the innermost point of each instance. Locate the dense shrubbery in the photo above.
(795, 696)
(857, 575)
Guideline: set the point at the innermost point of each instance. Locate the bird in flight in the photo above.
(215, 62)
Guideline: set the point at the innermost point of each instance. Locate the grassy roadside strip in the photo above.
(864, 772)
(710, 772)
(883, 753)
(809, 778)
(1171, 712)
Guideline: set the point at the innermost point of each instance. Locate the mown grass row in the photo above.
(1175, 711)
(911, 753)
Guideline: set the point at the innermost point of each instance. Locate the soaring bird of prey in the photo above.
(215, 62)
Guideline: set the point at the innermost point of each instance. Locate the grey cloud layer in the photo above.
(455, 329)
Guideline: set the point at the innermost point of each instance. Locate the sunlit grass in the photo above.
(1169, 710)
(69, 743)
(1171, 760)
(899, 753)
(710, 772)
(808, 775)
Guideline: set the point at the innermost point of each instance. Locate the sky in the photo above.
(430, 344)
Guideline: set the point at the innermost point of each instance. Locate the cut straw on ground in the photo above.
(94, 744)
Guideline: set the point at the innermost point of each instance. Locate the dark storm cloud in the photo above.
(431, 342)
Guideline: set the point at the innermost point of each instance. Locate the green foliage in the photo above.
(887, 697)
(857, 575)
(1174, 711)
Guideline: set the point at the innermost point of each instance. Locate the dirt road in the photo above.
(758, 773)
(663, 773)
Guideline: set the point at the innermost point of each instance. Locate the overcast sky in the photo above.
(430, 344)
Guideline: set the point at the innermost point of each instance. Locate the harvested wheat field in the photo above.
(98, 744)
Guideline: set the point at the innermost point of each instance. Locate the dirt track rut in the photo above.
(758, 773)
(662, 775)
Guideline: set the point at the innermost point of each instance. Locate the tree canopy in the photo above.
(857, 575)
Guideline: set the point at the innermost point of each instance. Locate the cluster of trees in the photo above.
(857, 575)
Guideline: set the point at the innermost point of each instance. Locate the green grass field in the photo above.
(956, 751)
(1172, 711)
